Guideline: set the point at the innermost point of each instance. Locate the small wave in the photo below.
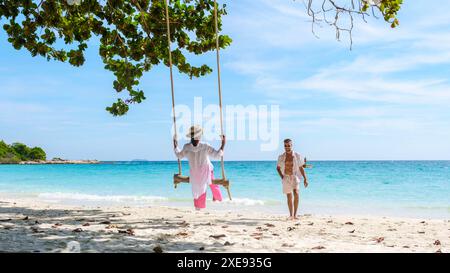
(429, 208)
(59, 196)
(136, 199)
(245, 202)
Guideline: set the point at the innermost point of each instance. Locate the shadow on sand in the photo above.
(24, 229)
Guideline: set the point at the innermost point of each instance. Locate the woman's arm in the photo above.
(179, 154)
(217, 153)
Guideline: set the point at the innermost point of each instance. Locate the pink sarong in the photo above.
(200, 203)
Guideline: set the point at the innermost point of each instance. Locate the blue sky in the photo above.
(385, 99)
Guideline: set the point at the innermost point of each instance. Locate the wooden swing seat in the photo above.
(177, 179)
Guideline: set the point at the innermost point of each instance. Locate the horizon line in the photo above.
(265, 160)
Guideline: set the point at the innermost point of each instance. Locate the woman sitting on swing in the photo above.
(200, 167)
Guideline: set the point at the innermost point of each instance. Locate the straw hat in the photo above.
(195, 132)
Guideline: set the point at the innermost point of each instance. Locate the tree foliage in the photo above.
(341, 14)
(132, 33)
(37, 153)
(7, 154)
(18, 152)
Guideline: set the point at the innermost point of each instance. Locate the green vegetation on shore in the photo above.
(18, 152)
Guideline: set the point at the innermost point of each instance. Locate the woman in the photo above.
(200, 167)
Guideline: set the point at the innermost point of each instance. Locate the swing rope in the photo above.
(219, 81)
(171, 83)
(222, 164)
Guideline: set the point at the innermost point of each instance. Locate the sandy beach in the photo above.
(30, 226)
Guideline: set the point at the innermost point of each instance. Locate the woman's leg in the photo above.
(215, 189)
(200, 203)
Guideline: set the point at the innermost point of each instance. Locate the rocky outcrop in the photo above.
(59, 161)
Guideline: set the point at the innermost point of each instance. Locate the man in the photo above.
(290, 167)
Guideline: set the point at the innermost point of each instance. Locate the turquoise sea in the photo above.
(381, 188)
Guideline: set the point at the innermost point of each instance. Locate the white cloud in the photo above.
(13, 108)
(255, 67)
(363, 88)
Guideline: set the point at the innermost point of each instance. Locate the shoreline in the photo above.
(275, 207)
(54, 162)
(39, 226)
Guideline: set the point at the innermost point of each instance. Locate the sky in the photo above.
(385, 99)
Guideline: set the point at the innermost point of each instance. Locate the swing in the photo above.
(306, 165)
(179, 177)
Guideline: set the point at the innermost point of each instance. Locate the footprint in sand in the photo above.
(217, 236)
(128, 232)
(318, 247)
(72, 247)
(35, 230)
(184, 224)
(158, 249)
(287, 245)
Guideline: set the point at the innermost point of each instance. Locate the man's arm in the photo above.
(305, 179)
(279, 172)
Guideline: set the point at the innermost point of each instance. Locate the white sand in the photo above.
(186, 230)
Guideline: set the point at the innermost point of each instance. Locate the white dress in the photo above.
(200, 167)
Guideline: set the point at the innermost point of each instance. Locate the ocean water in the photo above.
(419, 189)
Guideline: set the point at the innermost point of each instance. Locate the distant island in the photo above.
(19, 153)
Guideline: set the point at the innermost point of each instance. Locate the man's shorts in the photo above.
(290, 183)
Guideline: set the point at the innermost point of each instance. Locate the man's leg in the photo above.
(295, 203)
(289, 202)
